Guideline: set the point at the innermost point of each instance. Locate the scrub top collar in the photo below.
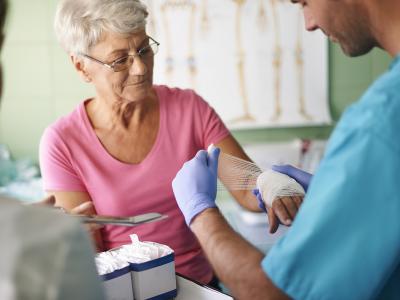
(395, 62)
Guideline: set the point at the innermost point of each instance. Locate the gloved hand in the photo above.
(302, 177)
(195, 185)
(261, 204)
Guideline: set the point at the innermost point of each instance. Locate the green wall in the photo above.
(41, 85)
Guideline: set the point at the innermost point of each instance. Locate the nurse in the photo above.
(44, 254)
(345, 240)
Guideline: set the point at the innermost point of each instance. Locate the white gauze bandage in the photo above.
(137, 252)
(238, 174)
(273, 184)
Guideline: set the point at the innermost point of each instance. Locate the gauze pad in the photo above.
(273, 184)
(137, 252)
(238, 174)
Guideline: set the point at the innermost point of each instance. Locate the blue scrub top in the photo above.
(345, 240)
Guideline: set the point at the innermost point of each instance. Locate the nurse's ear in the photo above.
(79, 64)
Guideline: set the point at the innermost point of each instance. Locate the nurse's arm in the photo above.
(76, 203)
(236, 262)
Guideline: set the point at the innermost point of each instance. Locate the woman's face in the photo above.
(133, 84)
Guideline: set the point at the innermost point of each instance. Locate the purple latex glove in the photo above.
(273, 220)
(195, 185)
(261, 204)
(303, 178)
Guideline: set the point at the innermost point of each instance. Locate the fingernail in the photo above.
(62, 209)
(85, 205)
(288, 222)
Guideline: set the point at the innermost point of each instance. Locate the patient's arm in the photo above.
(283, 210)
(244, 197)
(79, 203)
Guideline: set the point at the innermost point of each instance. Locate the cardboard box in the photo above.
(118, 284)
(154, 279)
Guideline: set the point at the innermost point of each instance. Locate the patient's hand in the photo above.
(86, 208)
(283, 210)
(48, 201)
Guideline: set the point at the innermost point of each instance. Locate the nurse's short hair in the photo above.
(80, 24)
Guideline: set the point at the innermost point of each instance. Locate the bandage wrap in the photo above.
(273, 184)
(137, 252)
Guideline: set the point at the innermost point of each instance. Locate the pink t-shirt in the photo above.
(73, 159)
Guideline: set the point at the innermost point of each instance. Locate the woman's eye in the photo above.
(145, 50)
(121, 61)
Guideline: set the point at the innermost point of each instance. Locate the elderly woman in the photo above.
(122, 148)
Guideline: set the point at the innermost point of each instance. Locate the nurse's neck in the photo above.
(385, 21)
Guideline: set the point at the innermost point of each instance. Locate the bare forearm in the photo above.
(246, 199)
(80, 203)
(236, 262)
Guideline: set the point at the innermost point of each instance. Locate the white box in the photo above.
(189, 289)
(154, 279)
(118, 284)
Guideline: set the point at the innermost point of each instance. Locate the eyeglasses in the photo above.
(126, 62)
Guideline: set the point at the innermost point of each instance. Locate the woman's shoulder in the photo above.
(178, 96)
(69, 123)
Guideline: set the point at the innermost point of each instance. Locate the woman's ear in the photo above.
(79, 65)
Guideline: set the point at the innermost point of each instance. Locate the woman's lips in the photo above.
(136, 83)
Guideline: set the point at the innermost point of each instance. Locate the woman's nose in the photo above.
(138, 66)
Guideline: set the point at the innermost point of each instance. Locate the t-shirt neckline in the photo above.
(103, 151)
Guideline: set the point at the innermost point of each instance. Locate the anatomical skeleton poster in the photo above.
(252, 60)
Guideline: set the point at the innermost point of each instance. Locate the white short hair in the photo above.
(79, 24)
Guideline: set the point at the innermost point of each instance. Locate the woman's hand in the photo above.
(80, 203)
(283, 210)
(85, 209)
(48, 201)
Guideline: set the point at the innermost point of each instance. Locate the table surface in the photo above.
(190, 290)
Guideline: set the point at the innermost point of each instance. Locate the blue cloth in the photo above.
(345, 240)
